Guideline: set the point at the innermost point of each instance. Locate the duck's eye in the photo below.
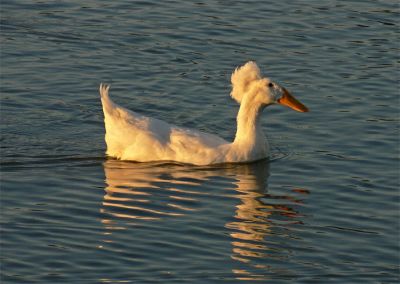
(270, 85)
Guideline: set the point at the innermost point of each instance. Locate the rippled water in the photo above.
(324, 209)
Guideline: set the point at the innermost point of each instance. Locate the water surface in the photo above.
(323, 209)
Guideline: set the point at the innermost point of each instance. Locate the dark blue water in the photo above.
(324, 209)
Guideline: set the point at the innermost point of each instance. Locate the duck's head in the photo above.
(247, 84)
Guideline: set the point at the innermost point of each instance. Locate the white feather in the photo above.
(241, 79)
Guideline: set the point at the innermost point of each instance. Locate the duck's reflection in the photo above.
(139, 192)
(149, 191)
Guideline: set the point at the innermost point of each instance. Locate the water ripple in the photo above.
(324, 209)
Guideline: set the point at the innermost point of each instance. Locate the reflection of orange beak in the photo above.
(290, 101)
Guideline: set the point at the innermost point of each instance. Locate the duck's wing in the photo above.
(192, 139)
(131, 136)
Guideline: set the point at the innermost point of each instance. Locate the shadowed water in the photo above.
(323, 209)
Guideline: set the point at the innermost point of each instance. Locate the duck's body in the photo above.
(131, 136)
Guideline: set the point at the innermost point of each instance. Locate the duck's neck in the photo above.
(249, 135)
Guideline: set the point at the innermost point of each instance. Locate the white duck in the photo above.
(131, 136)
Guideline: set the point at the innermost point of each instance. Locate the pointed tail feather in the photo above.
(104, 90)
(108, 105)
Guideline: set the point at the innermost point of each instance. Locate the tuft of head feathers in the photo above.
(241, 79)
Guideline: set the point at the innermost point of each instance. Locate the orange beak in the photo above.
(290, 101)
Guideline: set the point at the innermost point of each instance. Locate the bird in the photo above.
(131, 136)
